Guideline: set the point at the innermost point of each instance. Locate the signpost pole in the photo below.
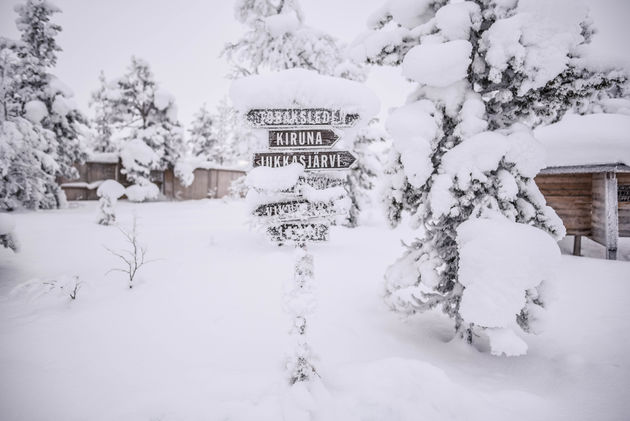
(300, 301)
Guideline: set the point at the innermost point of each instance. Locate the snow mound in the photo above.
(35, 111)
(111, 189)
(7, 224)
(274, 179)
(413, 129)
(303, 88)
(454, 20)
(137, 152)
(278, 25)
(586, 140)
(140, 193)
(498, 261)
(438, 65)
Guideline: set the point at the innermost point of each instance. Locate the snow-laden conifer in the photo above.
(487, 72)
(135, 109)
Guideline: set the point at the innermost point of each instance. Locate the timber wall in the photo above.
(212, 182)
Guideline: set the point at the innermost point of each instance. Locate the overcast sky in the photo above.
(182, 41)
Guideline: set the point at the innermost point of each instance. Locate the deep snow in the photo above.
(202, 334)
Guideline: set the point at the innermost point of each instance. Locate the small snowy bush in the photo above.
(7, 237)
(108, 192)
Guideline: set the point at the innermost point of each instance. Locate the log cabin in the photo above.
(587, 178)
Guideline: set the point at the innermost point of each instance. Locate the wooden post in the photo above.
(577, 245)
(605, 212)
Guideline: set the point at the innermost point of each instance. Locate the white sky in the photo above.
(182, 41)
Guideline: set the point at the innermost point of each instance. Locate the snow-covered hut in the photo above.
(587, 176)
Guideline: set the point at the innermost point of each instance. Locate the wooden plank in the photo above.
(298, 233)
(605, 212)
(577, 245)
(312, 160)
(292, 117)
(302, 139)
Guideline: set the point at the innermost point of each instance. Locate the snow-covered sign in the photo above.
(293, 117)
(311, 160)
(298, 233)
(287, 211)
(298, 139)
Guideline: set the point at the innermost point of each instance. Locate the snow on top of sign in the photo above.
(274, 179)
(498, 261)
(586, 140)
(299, 88)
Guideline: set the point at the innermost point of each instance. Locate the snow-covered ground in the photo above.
(202, 334)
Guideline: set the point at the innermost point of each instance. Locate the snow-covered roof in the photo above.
(587, 140)
(103, 157)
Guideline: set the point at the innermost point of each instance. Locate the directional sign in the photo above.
(302, 139)
(291, 117)
(298, 233)
(312, 160)
(295, 210)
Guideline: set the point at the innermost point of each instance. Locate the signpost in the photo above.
(295, 117)
(311, 160)
(303, 136)
(287, 211)
(309, 138)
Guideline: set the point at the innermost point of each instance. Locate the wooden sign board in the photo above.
(295, 210)
(292, 117)
(312, 160)
(298, 233)
(302, 139)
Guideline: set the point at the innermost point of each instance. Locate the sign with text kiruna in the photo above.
(302, 139)
(292, 117)
(311, 160)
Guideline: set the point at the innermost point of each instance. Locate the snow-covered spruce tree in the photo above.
(28, 151)
(40, 87)
(108, 192)
(201, 135)
(487, 72)
(142, 111)
(104, 119)
(278, 39)
(362, 176)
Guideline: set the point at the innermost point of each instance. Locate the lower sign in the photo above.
(295, 210)
(312, 160)
(298, 233)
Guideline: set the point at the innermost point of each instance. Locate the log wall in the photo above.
(570, 195)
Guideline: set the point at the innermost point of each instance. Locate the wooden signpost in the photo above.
(302, 136)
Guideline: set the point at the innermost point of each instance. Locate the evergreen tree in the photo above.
(486, 74)
(277, 39)
(134, 108)
(104, 119)
(362, 176)
(63, 118)
(41, 125)
(202, 140)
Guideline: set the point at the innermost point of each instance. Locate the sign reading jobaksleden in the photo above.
(294, 117)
